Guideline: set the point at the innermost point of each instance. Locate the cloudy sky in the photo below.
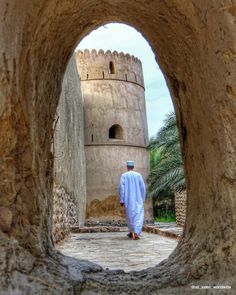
(121, 37)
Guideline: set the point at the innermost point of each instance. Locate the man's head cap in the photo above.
(130, 163)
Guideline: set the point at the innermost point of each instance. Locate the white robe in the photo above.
(132, 193)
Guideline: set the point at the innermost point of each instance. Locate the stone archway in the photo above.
(194, 43)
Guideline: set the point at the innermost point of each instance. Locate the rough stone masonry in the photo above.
(194, 44)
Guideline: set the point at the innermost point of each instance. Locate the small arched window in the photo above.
(111, 68)
(116, 132)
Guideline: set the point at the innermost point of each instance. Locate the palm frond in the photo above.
(165, 159)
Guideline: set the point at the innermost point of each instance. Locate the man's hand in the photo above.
(122, 204)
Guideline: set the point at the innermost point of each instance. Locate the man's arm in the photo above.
(142, 188)
(122, 190)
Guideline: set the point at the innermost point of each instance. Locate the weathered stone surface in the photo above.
(194, 43)
(65, 214)
(108, 208)
(5, 219)
(69, 157)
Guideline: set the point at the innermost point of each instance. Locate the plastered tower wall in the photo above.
(115, 127)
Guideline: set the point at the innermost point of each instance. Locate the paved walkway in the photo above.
(114, 250)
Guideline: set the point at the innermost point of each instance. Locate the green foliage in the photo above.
(168, 218)
(165, 160)
(164, 206)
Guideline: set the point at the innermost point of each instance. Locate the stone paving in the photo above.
(114, 250)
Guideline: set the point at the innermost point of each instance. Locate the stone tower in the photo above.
(115, 127)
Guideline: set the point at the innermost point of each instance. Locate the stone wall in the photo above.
(180, 208)
(69, 159)
(64, 214)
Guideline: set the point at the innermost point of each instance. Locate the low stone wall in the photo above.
(64, 214)
(98, 229)
(180, 208)
(111, 223)
(167, 231)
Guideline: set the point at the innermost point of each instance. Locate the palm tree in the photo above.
(166, 161)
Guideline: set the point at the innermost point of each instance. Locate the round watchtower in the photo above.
(115, 126)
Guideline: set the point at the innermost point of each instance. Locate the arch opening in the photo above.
(102, 211)
(111, 68)
(115, 132)
(178, 90)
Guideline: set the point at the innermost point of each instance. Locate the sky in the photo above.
(124, 38)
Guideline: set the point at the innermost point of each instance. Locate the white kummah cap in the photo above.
(130, 163)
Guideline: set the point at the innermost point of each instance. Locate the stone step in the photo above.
(174, 233)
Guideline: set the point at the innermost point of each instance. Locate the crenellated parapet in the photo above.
(107, 65)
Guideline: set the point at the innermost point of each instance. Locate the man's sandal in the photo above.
(135, 236)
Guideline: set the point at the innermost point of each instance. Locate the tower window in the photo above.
(111, 68)
(116, 132)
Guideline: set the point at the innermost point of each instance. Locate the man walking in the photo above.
(132, 193)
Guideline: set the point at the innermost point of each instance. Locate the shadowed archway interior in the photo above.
(194, 46)
(115, 132)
